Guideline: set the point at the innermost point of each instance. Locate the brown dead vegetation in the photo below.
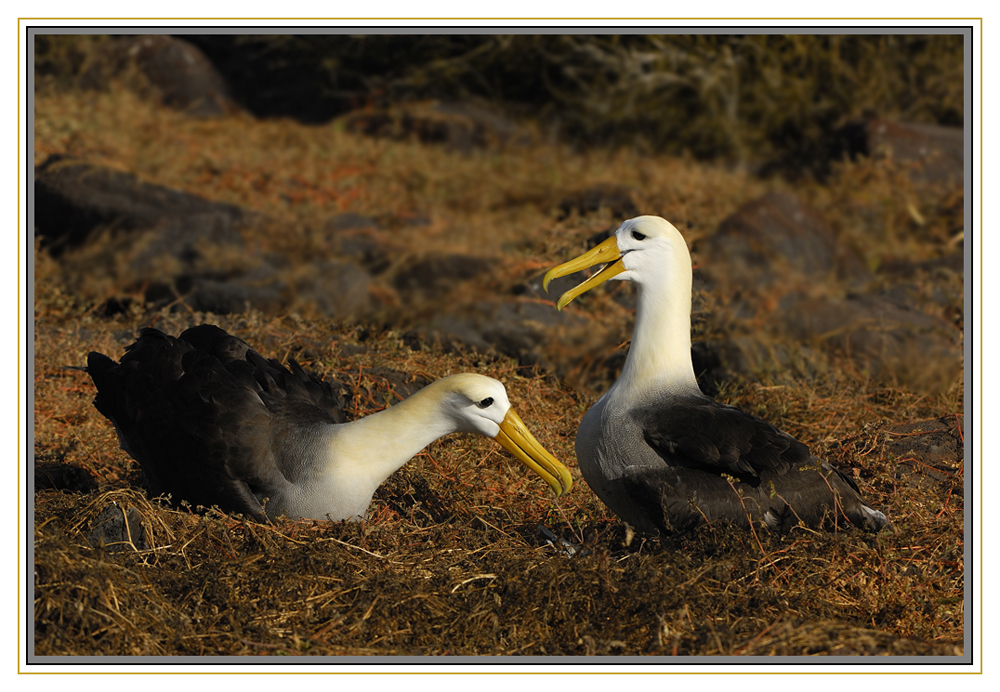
(451, 560)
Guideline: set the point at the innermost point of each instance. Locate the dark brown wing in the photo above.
(209, 420)
(724, 464)
(700, 433)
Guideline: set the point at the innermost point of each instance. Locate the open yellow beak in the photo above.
(516, 439)
(607, 252)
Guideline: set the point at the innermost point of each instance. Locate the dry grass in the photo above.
(450, 561)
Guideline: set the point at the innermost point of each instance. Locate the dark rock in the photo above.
(184, 262)
(176, 247)
(944, 299)
(938, 153)
(236, 294)
(436, 275)
(360, 238)
(50, 476)
(339, 290)
(765, 257)
(349, 221)
(619, 200)
(411, 219)
(74, 198)
(753, 358)
(190, 244)
(519, 329)
(908, 269)
(181, 74)
(462, 127)
(886, 337)
(449, 333)
(118, 530)
(936, 286)
(770, 238)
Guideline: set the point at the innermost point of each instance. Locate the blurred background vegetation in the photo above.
(766, 102)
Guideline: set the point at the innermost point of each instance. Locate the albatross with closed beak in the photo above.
(212, 422)
(660, 453)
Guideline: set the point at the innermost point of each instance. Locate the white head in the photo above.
(647, 250)
(650, 247)
(478, 404)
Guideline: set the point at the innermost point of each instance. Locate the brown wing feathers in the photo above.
(202, 412)
(700, 433)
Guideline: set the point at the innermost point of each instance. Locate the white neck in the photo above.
(398, 433)
(660, 354)
(353, 459)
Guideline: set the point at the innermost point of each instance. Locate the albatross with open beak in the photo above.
(660, 453)
(212, 422)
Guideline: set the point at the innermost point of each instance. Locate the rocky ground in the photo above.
(391, 247)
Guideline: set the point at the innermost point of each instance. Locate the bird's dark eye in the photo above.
(485, 403)
(638, 236)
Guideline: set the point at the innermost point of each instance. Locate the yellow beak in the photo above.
(516, 439)
(607, 252)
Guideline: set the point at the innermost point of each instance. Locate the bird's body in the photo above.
(660, 453)
(212, 422)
